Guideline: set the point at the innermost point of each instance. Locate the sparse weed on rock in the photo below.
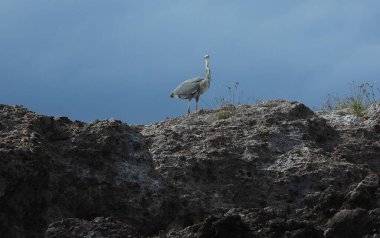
(361, 97)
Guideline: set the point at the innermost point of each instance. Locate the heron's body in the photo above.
(193, 88)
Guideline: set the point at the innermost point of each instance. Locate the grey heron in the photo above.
(193, 88)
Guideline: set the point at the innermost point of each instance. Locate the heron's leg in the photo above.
(196, 103)
(188, 107)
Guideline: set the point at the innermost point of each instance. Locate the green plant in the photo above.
(224, 115)
(358, 108)
(360, 98)
(227, 107)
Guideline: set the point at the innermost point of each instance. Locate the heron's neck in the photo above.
(208, 72)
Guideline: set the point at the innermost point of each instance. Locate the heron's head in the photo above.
(206, 57)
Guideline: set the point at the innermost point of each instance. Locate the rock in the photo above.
(282, 152)
(375, 219)
(250, 223)
(307, 232)
(341, 118)
(279, 151)
(53, 168)
(328, 201)
(349, 223)
(216, 227)
(226, 227)
(364, 195)
(372, 117)
(99, 227)
(275, 169)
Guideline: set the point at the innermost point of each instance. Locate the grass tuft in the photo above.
(360, 98)
(227, 106)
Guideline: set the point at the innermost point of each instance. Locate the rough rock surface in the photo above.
(284, 169)
(99, 227)
(275, 169)
(53, 168)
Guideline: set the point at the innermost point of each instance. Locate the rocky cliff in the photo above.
(276, 169)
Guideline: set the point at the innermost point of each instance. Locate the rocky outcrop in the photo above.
(275, 169)
(53, 168)
(268, 155)
(284, 169)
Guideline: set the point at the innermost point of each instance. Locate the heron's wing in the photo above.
(187, 88)
(194, 80)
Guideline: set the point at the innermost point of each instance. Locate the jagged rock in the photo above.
(279, 151)
(275, 169)
(275, 154)
(100, 227)
(375, 220)
(53, 168)
(258, 223)
(364, 195)
(326, 202)
(349, 223)
(214, 227)
(372, 117)
(230, 226)
(341, 118)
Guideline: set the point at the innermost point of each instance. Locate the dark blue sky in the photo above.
(97, 59)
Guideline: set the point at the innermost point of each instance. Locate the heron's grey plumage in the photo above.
(193, 88)
(187, 88)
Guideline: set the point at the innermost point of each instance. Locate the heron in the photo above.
(193, 88)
